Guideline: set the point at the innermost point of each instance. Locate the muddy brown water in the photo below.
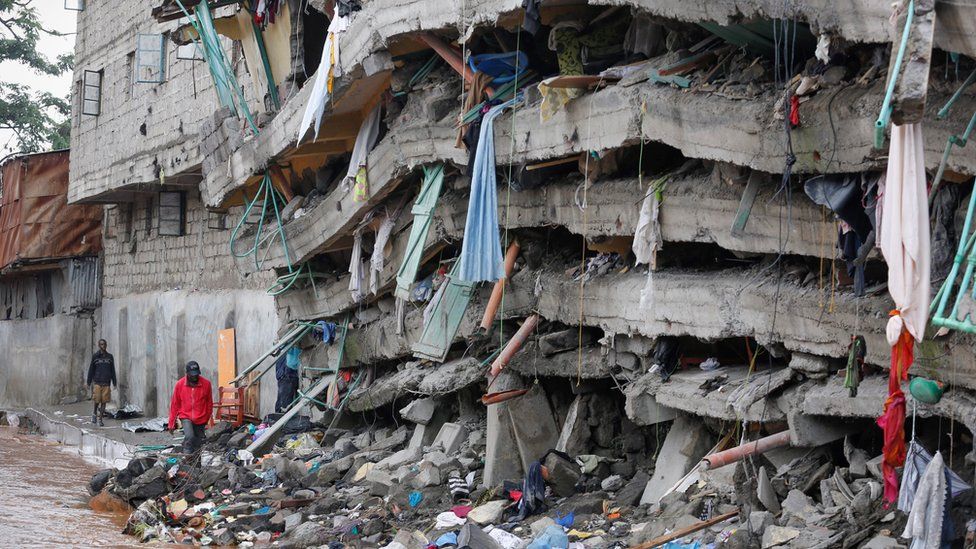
(44, 499)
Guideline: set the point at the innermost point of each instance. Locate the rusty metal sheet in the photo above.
(36, 222)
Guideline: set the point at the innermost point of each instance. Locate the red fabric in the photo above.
(461, 511)
(515, 495)
(193, 403)
(892, 420)
(794, 111)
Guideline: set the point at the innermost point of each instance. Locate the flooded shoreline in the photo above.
(44, 500)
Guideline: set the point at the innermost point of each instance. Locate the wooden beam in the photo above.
(677, 534)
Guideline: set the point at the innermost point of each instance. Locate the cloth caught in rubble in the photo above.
(344, 8)
(533, 492)
(329, 68)
(378, 258)
(533, 19)
(469, 136)
(916, 461)
(328, 330)
(644, 36)
(854, 373)
(481, 250)
(850, 243)
(905, 246)
(944, 237)
(266, 12)
(648, 241)
(564, 39)
(667, 353)
(924, 526)
(369, 132)
(554, 99)
(357, 270)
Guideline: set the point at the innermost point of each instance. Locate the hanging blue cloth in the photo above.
(481, 251)
(328, 330)
(291, 358)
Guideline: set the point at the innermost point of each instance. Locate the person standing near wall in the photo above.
(192, 405)
(101, 378)
(286, 372)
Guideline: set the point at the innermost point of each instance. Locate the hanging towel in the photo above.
(924, 525)
(328, 69)
(378, 258)
(647, 242)
(356, 269)
(481, 251)
(365, 141)
(905, 245)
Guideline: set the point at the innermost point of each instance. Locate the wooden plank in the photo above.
(270, 434)
(745, 205)
(226, 357)
(677, 534)
(582, 81)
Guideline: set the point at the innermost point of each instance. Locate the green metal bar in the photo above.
(953, 140)
(286, 343)
(944, 111)
(884, 118)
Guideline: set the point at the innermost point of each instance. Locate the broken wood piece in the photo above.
(745, 205)
(680, 81)
(515, 344)
(581, 81)
(682, 532)
(499, 290)
(502, 396)
(551, 163)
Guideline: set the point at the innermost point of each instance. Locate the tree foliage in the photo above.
(39, 120)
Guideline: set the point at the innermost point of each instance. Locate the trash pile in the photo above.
(407, 486)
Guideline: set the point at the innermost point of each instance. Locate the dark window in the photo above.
(172, 213)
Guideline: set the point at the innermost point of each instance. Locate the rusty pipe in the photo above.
(451, 57)
(496, 293)
(732, 455)
(514, 344)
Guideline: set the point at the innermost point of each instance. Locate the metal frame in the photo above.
(85, 86)
(167, 207)
(146, 52)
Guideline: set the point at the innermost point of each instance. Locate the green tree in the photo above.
(39, 120)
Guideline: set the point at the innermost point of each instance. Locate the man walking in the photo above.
(192, 404)
(101, 377)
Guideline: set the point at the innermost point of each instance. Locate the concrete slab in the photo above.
(533, 425)
(687, 442)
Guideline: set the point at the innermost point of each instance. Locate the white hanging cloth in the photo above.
(905, 232)
(365, 141)
(329, 68)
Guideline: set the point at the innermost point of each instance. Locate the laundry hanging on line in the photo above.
(365, 141)
(329, 68)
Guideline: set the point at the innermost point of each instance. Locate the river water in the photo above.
(44, 499)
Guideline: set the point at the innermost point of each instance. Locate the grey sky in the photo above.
(54, 17)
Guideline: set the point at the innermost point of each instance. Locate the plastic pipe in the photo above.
(514, 344)
(732, 455)
(451, 56)
(499, 290)
(885, 116)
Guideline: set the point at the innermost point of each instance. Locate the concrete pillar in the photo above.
(687, 442)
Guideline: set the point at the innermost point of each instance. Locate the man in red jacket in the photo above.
(192, 404)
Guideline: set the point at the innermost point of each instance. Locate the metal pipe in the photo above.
(499, 290)
(514, 344)
(944, 111)
(452, 57)
(295, 334)
(732, 455)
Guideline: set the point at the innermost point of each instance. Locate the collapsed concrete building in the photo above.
(676, 275)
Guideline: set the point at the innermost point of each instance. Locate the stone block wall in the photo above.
(138, 259)
(145, 132)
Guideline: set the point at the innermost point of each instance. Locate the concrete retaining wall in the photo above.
(153, 335)
(113, 453)
(44, 361)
